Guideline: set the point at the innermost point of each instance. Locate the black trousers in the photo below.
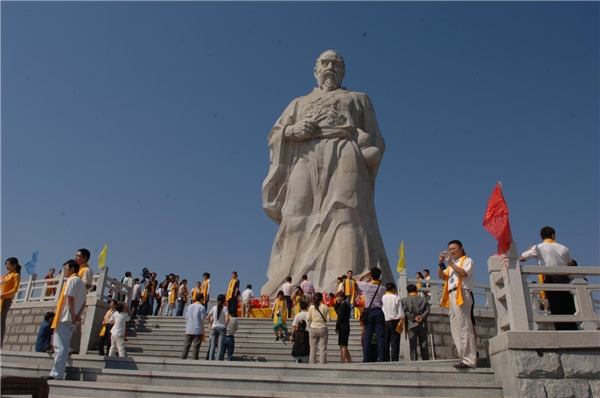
(414, 334)
(135, 305)
(561, 303)
(105, 341)
(232, 306)
(392, 341)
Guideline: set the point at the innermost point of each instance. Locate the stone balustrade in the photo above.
(35, 297)
(529, 357)
(517, 299)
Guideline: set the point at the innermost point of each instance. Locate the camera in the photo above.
(146, 273)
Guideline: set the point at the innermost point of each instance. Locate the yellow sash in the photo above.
(230, 289)
(446, 296)
(195, 291)
(205, 289)
(173, 293)
(82, 269)
(350, 289)
(400, 327)
(105, 322)
(279, 305)
(299, 298)
(184, 294)
(61, 299)
(541, 277)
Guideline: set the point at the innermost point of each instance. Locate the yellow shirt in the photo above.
(10, 285)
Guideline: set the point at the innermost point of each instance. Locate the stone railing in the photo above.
(47, 290)
(38, 296)
(517, 299)
(482, 293)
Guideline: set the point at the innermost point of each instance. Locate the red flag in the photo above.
(496, 220)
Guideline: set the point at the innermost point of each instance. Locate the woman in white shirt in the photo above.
(318, 316)
(218, 318)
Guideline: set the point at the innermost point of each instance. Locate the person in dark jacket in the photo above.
(42, 343)
(301, 347)
(342, 325)
(416, 310)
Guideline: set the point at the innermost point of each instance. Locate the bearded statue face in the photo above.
(330, 70)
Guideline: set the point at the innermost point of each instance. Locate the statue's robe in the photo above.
(321, 192)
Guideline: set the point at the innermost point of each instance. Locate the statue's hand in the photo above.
(301, 131)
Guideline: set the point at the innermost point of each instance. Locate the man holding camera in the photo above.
(459, 299)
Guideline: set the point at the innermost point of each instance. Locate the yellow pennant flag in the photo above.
(102, 257)
(401, 257)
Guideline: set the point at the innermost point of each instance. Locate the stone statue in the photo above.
(325, 152)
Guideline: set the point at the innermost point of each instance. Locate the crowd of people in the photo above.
(383, 316)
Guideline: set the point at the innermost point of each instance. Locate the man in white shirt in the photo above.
(135, 297)
(301, 316)
(68, 316)
(117, 333)
(375, 322)
(288, 289)
(457, 296)
(393, 312)
(85, 272)
(427, 276)
(247, 296)
(552, 254)
(195, 315)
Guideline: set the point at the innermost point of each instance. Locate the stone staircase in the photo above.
(262, 367)
(254, 340)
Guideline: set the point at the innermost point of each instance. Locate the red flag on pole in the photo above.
(496, 220)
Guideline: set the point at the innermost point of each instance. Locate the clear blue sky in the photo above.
(146, 123)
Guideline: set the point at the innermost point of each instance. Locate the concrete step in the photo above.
(281, 380)
(351, 371)
(69, 389)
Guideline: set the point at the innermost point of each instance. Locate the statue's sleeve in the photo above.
(275, 185)
(368, 123)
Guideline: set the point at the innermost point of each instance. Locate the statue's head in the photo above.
(330, 70)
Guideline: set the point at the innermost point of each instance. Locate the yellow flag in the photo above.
(401, 257)
(102, 257)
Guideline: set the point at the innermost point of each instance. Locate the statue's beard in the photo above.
(329, 83)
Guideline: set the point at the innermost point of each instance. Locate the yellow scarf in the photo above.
(413, 294)
(230, 289)
(205, 289)
(184, 293)
(541, 277)
(105, 322)
(173, 294)
(446, 296)
(195, 291)
(61, 299)
(82, 269)
(350, 289)
(280, 305)
(298, 299)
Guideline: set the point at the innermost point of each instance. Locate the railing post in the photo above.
(512, 307)
(101, 282)
(30, 284)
